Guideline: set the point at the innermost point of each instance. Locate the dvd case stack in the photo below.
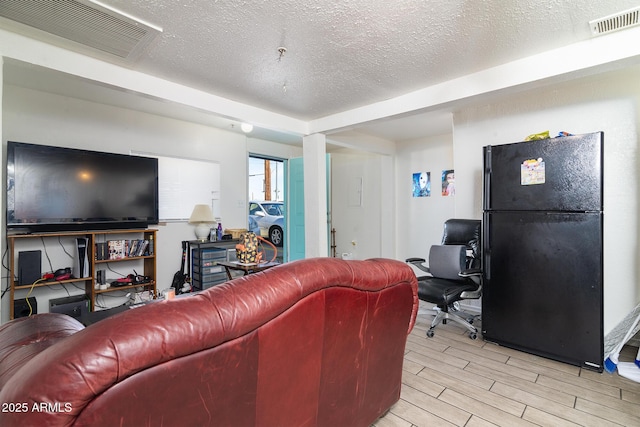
(118, 249)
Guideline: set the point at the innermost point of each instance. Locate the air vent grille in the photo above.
(615, 22)
(84, 21)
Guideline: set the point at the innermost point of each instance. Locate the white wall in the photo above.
(606, 103)
(44, 118)
(357, 202)
(420, 219)
(273, 149)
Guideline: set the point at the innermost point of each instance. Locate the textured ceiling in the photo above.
(345, 54)
(342, 55)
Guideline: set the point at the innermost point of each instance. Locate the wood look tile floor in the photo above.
(451, 380)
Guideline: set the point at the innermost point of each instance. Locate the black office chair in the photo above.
(454, 273)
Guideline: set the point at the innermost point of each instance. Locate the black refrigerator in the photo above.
(542, 248)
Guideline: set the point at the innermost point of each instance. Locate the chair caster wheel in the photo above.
(473, 335)
(430, 333)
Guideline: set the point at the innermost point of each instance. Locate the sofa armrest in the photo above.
(25, 337)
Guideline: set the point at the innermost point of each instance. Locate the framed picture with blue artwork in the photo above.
(422, 184)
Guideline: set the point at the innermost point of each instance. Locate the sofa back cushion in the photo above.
(312, 342)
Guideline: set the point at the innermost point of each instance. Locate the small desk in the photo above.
(246, 268)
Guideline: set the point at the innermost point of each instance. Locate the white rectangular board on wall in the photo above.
(184, 183)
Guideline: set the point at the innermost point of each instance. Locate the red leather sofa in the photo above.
(316, 342)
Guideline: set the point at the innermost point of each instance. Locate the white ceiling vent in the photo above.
(87, 22)
(615, 22)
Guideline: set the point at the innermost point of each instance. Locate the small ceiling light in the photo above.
(246, 127)
(281, 51)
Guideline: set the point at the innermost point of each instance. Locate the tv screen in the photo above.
(58, 189)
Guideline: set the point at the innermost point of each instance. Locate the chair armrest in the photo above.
(474, 274)
(418, 263)
(471, 272)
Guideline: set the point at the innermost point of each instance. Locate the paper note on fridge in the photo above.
(532, 172)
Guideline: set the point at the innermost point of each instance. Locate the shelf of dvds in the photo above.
(132, 248)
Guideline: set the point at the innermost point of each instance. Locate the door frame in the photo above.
(285, 243)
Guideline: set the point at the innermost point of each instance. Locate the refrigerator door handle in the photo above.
(487, 266)
(486, 200)
(486, 251)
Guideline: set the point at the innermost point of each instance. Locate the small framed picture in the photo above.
(448, 182)
(422, 184)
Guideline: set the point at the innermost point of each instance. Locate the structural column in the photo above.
(3, 236)
(314, 153)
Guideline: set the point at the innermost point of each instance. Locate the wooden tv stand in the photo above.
(144, 264)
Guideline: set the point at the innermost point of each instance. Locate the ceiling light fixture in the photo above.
(281, 51)
(246, 127)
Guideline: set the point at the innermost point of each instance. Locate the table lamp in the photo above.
(202, 217)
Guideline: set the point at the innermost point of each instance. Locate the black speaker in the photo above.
(29, 267)
(21, 308)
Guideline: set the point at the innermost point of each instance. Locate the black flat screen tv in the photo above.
(65, 189)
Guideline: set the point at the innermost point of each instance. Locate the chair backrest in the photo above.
(447, 261)
(465, 232)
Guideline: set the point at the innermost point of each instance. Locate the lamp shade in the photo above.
(201, 213)
(202, 216)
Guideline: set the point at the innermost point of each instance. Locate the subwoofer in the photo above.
(21, 307)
